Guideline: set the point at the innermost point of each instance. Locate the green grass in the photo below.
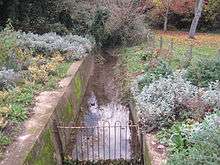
(181, 52)
(132, 58)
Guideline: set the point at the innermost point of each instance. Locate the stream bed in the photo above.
(105, 131)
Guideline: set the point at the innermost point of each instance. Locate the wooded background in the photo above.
(44, 15)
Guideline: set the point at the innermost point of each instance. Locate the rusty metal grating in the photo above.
(106, 142)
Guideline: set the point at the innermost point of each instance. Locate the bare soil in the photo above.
(157, 151)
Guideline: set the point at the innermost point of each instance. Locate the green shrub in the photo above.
(17, 113)
(162, 69)
(7, 43)
(201, 153)
(202, 141)
(4, 140)
(175, 137)
(204, 71)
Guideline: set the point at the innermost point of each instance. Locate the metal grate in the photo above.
(106, 142)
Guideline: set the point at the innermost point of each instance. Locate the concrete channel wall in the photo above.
(145, 154)
(37, 145)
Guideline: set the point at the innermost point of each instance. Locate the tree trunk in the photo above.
(166, 19)
(168, 2)
(198, 12)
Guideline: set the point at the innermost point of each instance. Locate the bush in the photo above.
(8, 79)
(159, 103)
(112, 23)
(17, 113)
(7, 43)
(203, 148)
(125, 24)
(51, 42)
(162, 69)
(4, 140)
(204, 71)
(175, 137)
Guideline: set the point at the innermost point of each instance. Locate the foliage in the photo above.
(126, 24)
(51, 42)
(8, 79)
(204, 71)
(17, 113)
(35, 16)
(4, 111)
(203, 144)
(7, 43)
(4, 140)
(110, 22)
(97, 28)
(157, 103)
(152, 72)
(175, 137)
(181, 13)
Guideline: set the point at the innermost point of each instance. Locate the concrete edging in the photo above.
(146, 154)
(37, 144)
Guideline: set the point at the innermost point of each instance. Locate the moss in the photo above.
(77, 88)
(46, 154)
(68, 113)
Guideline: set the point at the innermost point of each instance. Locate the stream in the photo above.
(103, 132)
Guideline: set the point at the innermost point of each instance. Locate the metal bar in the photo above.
(81, 141)
(161, 42)
(109, 142)
(115, 146)
(87, 144)
(142, 146)
(120, 141)
(93, 155)
(61, 127)
(98, 143)
(77, 158)
(126, 132)
(103, 143)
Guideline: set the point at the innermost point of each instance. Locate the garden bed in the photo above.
(29, 65)
(176, 89)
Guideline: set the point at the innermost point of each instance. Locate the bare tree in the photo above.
(198, 13)
(168, 3)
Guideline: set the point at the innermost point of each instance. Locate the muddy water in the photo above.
(106, 134)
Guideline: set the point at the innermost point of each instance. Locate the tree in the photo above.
(163, 9)
(198, 13)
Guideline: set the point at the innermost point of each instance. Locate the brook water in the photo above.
(105, 130)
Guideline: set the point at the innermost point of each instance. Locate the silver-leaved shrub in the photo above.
(8, 79)
(157, 103)
(51, 42)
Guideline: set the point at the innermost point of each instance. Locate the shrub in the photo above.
(175, 137)
(162, 69)
(158, 103)
(7, 43)
(17, 113)
(204, 71)
(212, 95)
(8, 79)
(111, 22)
(204, 141)
(4, 140)
(51, 42)
(125, 23)
(4, 112)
